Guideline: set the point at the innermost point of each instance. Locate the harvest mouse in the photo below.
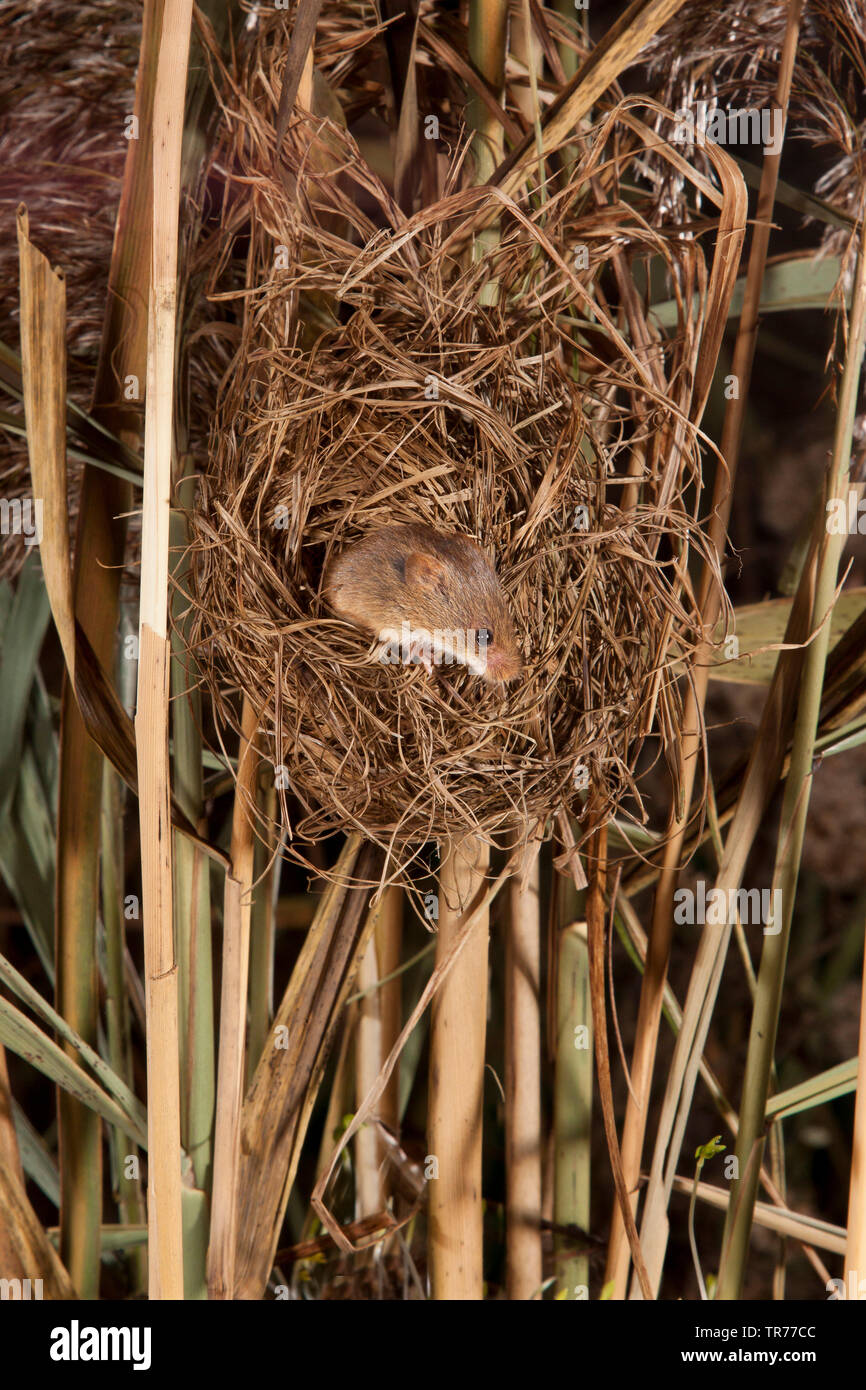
(432, 595)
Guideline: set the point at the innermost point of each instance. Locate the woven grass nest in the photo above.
(382, 376)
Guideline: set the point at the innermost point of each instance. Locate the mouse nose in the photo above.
(502, 666)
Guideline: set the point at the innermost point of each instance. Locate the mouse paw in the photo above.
(419, 654)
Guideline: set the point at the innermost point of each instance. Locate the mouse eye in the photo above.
(485, 636)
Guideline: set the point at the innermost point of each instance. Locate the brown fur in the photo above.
(428, 579)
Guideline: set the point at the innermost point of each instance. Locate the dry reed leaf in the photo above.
(606, 61)
(43, 327)
(25, 1237)
(760, 628)
(43, 372)
(304, 22)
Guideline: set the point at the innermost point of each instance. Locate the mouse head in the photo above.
(455, 595)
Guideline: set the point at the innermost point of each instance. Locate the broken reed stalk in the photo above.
(523, 1139)
(792, 826)
(99, 558)
(43, 376)
(165, 1245)
(661, 930)
(458, 1027)
(233, 1018)
(43, 360)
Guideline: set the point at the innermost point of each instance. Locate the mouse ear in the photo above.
(424, 570)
